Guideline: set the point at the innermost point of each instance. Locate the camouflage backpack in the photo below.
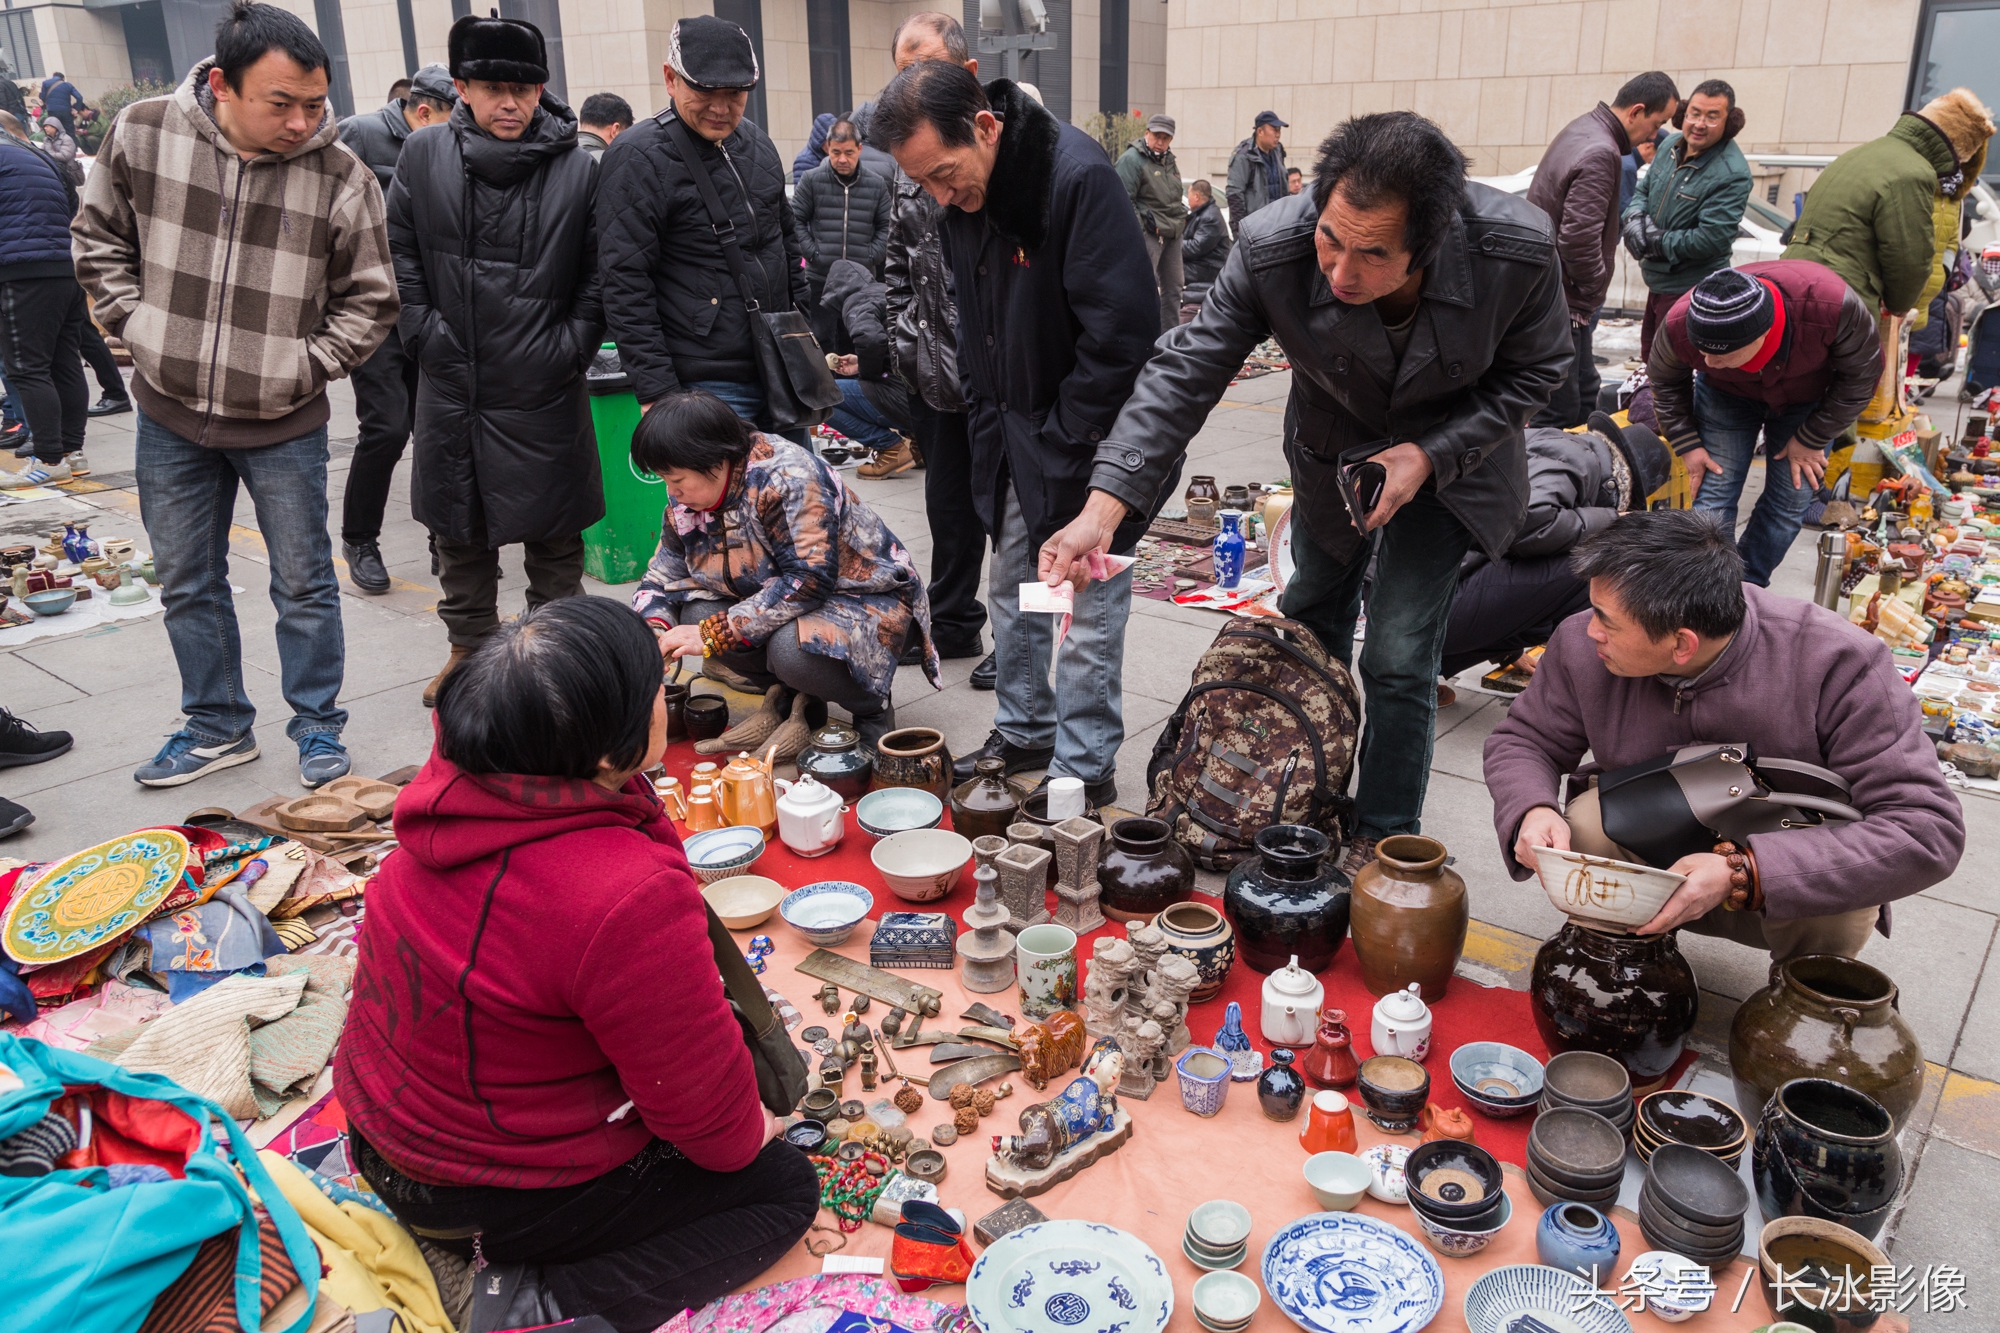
(1265, 735)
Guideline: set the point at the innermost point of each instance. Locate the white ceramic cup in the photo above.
(1045, 958)
(1065, 799)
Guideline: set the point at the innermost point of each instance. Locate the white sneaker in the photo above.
(35, 474)
(79, 466)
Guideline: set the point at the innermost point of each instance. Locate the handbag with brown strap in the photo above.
(781, 1070)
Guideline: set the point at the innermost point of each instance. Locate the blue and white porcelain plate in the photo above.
(1069, 1277)
(1559, 1300)
(1351, 1273)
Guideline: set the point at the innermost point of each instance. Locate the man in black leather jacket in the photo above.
(924, 324)
(1205, 244)
(669, 301)
(1425, 322)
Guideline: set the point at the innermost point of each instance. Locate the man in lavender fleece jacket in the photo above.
(1677, 651)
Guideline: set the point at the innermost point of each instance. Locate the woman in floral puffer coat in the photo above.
(772, 570)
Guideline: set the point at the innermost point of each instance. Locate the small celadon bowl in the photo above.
(1337, 1179)
(897, 810)
(1225, 1301)
(827, 913)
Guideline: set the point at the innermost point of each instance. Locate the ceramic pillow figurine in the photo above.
(1087, 1106)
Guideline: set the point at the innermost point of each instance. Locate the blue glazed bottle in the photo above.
(1578, 1239)
(1229, 550)
(1280, 1090)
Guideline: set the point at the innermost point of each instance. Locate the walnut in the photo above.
(982, 1102)
(961, 1096)
(966, 1121)
(909, 1101)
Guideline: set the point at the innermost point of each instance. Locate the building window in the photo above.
(749, 16)
(19, 46)
(1114, 58)
(830, 55)
(1955, 41)
(146, 46)
(548, 18)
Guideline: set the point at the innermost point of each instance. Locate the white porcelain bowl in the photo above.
(1337, 1179)
(826, 914)
(1678, 1287)
(1226, 1300)
(923, 864)
(1595, 891)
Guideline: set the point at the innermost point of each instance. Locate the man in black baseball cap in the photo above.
(1256, 170)
(670, 302)
(1786, 350)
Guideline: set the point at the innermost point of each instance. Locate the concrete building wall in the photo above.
(1502, 76)
(374, 50)
(1146, 79)
(88, 45)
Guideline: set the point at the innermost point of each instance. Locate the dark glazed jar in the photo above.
(1144, 872)
(986, 805)
(1824, 1016)
(1280, 1090)
(836, 759)
(1631, 997)
(1827, 1151)
(1285, 900)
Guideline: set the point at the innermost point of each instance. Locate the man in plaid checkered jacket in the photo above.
(239, 250)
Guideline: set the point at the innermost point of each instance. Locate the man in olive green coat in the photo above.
(1153, 180)
(1869, 216)
(1681, 223)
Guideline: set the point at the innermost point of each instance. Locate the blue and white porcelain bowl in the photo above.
(1352, 1273)
(1675, 1287)
(1499, 1079)
(719, 853)
(827, 913)
(897, 810)
(1447, 1237)
(1204, 1079)
(1562, 1300)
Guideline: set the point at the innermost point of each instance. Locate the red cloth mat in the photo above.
(1468, 1012)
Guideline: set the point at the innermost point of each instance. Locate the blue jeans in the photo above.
(1729, 427)
(750, 403)
(187, 495)
(1083, 715)
(861, 421)
(1409, 608)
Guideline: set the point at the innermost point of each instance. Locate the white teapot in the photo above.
(811, 818)
(1292, 998)
(1402, 1024)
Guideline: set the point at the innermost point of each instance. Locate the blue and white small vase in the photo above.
(1204, 1079)
(1578, 1239)
(1245, 1062)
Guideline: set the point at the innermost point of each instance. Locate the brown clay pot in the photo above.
(1408, 917)
(1827, 1017)
(914, 757)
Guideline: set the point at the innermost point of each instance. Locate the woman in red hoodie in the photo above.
(539, 1066)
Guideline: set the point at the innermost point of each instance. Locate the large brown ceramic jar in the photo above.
(1631, 997)
(1144, 871)
(914, 757)
(1409, 917)
(1827, 1017)
(987, 804)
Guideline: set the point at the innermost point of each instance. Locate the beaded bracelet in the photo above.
(1745, 893)
(718, 636)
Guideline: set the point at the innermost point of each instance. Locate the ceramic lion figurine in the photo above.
(1049, 1048)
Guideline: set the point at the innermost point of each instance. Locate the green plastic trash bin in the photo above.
(618, 546)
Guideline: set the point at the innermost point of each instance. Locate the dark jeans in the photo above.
(1576, 397)
(751, 403)
(102, 363)
(958, 541)
(1507, 605)
(1730, 427)
(636, 1245)
(470, 576)
(385, 403)
(782, 660)
(1658, 304)
(187, 497)
(1409, 605)
(41, 327)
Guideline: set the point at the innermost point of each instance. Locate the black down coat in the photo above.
(496, 257)
(841, 218)
(669, 301)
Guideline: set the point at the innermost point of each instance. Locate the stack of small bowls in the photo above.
(1225, 1302)
(1218, 1236)
(1456, 1191)
(1674, 1115)
(1499, 1079)
(1590, 1082)
(1693, 1205)
(1575, 1156)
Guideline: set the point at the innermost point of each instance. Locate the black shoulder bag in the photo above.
(799, 388)
(781, 1070)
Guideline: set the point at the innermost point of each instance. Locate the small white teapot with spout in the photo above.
(1292, 998)
(811, 818)
(1402, 1024)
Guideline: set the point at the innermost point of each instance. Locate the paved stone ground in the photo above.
(115, 689)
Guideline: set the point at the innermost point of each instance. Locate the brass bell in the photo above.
(829, 998)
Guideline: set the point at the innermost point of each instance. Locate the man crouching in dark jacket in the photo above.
(1425, 322)
(493, 234)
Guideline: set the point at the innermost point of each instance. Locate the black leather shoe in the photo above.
(1019, 758)
(108, 406)
(986, 675)
(949, 650)
(913, 654)
(365, 567)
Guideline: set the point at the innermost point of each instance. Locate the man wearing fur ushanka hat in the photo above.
(1870, 215)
